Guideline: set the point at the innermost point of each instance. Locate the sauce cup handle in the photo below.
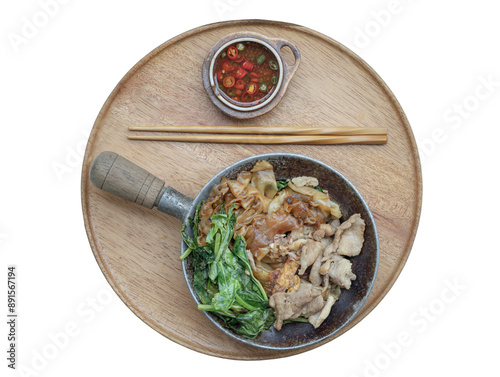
(290, 69)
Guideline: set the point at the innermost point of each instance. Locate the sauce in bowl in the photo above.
(246, 73)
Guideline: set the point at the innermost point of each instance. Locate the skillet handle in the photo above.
(118, 176)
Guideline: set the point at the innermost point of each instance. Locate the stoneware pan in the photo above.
(119, 176)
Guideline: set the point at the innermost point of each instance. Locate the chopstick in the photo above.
(331, 131)
(266, 139)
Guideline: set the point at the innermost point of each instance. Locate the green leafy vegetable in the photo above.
(191, 243)
(298, 319)
(318, 188)
(281, 184)
(223, 278)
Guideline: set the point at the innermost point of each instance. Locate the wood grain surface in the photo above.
(138, 249)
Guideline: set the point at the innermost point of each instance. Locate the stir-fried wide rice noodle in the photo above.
(320, 200)
(277, 202)
(297, 246)
(238, 185)
(264, 180)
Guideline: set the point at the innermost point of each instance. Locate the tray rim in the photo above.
(104, 109)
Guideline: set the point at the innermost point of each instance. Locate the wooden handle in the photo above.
(118, 176)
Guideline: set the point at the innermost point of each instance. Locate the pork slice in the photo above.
(327, 247)
(326, 241)
(352, 238)
(335, 224)
(323, 230)
(288, 305)
(340, 271)
(314, 276)
(326, 282)
(313, 306)
(310, 252)
(296, 245)
(325, 266)
(317, 318)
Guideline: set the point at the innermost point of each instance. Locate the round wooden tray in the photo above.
(138, 249)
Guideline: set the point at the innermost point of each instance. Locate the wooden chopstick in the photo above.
(331, 131)
(266, 139)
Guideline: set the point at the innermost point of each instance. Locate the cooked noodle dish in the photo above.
(267, 252)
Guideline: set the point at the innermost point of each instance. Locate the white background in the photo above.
(441, 60)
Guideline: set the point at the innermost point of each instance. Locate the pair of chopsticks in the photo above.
(266, 135)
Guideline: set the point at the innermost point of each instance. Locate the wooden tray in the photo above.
(138, 249)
